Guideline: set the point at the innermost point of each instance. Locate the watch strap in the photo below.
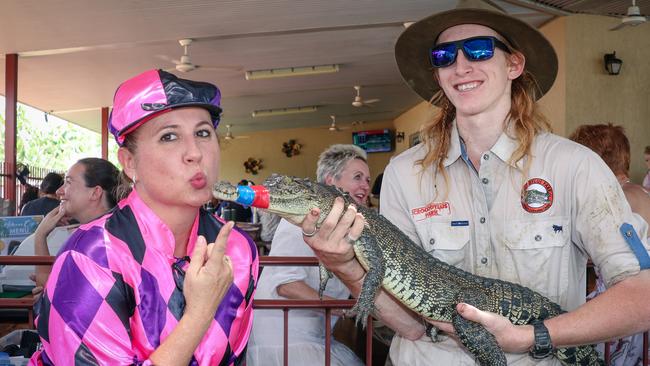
(543, 346)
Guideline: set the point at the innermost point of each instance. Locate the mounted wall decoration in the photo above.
(291, 148)
(414, 139)
(253, 165)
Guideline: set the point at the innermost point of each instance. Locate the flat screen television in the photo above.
(374, 140)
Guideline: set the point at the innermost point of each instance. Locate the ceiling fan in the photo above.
(185, 63)
(229, 136)
(633, 17)
(333, 127)
(358, 100)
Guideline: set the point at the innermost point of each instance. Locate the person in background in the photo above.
(47, 200)
(141, 284)
(517, 200)
(236, 211)
(88, 192)
(30, 194)
(611, 144)
(646, 158)
(345, 167)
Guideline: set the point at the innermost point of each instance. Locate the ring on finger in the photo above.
(350, 240)
(309, 235)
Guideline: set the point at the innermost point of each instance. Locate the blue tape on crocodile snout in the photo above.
(246, 195)
(632, 239)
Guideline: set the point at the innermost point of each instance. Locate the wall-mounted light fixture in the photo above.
(283, 111)
(291, 71)
(399, 136)
(612, 64)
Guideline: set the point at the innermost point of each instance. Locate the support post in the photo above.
(11, 94)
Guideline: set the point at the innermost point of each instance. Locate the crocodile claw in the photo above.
(362, 312)
(324, 275)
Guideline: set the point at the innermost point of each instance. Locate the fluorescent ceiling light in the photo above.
(283, 111)
(291, 71)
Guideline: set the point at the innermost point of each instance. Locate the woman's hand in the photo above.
(208, 276)
(512, 338)
(332, 242)
(49, 222)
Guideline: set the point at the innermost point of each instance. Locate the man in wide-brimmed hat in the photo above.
(493, 192)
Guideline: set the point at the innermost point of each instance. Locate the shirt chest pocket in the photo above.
(535, 254)
(444, 241)
(546, 233)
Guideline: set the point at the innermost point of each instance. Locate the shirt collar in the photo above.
(506, 146)
(503, 148)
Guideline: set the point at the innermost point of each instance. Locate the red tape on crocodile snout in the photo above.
(261, 197)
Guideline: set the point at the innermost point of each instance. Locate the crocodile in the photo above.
(426, 285)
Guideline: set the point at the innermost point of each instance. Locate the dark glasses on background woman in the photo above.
(475, 49)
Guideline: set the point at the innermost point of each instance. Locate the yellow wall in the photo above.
(593, 96)
(410, 122)
(553, 103)
(268, 146)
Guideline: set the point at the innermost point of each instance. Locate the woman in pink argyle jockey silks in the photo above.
(158, 280)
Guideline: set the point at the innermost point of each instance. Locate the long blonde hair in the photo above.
(524, 120)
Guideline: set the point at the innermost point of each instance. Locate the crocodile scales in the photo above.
(426, 285)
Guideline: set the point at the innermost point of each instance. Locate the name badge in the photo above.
(460, 223)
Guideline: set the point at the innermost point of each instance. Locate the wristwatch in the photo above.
(543, 346)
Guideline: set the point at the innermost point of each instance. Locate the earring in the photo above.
(134, 179)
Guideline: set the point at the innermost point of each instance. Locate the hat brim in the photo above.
(411, 48)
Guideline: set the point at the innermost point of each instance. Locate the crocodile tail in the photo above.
(579, 356)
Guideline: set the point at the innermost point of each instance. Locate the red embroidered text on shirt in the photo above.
(431, 210)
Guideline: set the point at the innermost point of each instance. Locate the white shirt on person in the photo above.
(306, 326)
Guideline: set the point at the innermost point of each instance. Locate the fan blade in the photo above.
(168, 59)
(370, 101)
(621, 25)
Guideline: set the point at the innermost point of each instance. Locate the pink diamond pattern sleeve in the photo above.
(112, 299)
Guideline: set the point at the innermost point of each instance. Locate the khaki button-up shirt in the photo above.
(536, 230)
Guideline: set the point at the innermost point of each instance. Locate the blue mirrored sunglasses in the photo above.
(475, 49)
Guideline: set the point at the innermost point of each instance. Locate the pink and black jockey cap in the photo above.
(145, 96)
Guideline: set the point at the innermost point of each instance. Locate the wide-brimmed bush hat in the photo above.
(145, 96)
(413, 45)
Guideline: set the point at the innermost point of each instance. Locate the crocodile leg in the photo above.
(433, 332)
(368, 251)
(324, 275)
(474, 336)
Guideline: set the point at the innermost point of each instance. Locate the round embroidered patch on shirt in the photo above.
(536, 195)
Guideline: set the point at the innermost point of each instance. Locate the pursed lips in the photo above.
(198, 180)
